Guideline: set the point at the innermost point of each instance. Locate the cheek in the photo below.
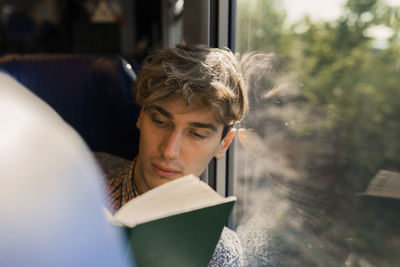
(200, 158)
(148, 140)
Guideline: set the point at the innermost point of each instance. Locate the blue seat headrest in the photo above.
(91, 93)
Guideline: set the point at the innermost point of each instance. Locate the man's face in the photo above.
(176, 140)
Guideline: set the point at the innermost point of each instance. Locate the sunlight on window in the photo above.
(324, 101)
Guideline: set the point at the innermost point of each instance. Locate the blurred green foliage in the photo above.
(352, 80)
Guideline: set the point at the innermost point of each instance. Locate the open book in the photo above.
(176, 224)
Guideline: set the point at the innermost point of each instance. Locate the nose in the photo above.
(171, 144)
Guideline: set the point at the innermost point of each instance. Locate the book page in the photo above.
(181, 195)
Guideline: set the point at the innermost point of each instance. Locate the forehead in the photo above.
(178, 110)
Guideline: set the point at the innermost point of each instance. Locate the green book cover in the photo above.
(176, 224)
(186, 239)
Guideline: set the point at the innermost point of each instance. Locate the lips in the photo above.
(166, 172)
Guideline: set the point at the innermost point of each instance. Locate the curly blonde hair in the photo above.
(201, 75)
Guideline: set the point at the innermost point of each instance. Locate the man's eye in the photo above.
(198, 136)
(159, 122)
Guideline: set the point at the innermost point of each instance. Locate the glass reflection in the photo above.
(324, 102)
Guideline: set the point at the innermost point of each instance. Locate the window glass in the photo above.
(316, 163)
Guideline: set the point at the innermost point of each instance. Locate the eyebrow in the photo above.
(162, 111)
(204, 125)
(168, 115)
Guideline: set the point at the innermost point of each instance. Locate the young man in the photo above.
(190, 98)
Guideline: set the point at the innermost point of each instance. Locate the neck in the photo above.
(140, 184)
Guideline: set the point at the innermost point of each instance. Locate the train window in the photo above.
(316, 164)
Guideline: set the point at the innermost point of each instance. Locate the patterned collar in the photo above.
(121, 188)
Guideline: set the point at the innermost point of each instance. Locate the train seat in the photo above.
(91, 93)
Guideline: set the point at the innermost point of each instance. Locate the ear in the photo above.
(225, 143)
(140, 118)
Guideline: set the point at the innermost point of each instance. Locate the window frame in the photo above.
(212, 22)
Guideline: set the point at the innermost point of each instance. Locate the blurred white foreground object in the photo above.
(50, 189)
